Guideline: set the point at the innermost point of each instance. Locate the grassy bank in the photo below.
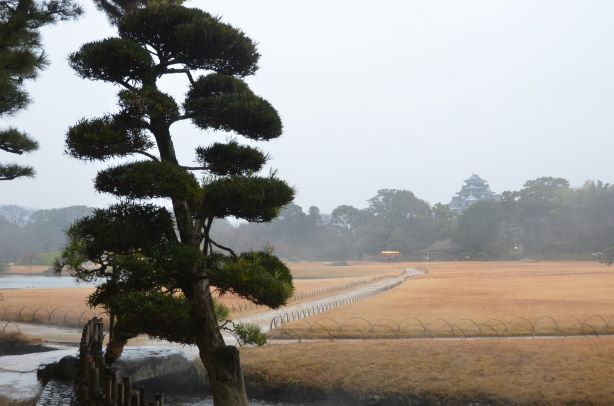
(7, 402)
(13, 343)
(508, 371)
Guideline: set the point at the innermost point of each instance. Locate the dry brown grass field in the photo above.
(520, 371)
(300, 270)
(305, 290)
(354, 269)
(58, 306)
(27, 269)
(7, 402)
(479, 298)
(67, 306)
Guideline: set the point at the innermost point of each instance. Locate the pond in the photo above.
(208, 401)
(40, 282)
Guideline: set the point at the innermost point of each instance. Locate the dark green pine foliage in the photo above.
(21, 58)
(160, 264)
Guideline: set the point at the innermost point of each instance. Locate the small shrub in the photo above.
(607, 256)
(221, 311)
(249, 334)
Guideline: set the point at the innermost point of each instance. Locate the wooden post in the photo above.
(98, 385)
(83, 350)
(111, 325)
(87, 332)
(107, 386)
(120, 394)
(142, 396)
(127, 390)
(134, 398)
(83, 393)
(94, 381)
(114, 379)
(100, 332)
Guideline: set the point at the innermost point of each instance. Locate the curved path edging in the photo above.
(275, 318)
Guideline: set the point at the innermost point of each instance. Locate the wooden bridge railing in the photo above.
(99, 385)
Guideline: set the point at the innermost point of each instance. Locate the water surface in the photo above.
(40, 282)
(208, 401)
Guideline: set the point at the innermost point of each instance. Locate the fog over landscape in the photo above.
(414, 197)
(391, 94)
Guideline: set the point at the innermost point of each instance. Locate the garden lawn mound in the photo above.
(514, 371)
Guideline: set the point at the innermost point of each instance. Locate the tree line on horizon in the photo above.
(26, 234)
(545, 219)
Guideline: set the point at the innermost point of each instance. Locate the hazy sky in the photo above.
(390, 94)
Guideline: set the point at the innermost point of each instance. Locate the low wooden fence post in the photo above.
(98, 385)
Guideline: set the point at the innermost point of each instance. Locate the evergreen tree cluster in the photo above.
(546, 219)
(25, 234)
(22, 58)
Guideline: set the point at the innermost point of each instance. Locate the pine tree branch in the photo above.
(186, 71)
(223, 248)
(16, 142)
(179, 118)
(127, 85)
(154, 52)
(13, 171)
(147, 154)
(11, 150)
(207, 244)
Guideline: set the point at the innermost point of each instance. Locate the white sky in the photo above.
(390, 94)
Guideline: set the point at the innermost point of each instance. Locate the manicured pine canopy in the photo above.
(159, 256)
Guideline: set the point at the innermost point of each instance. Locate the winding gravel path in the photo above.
(301, 310)
(64, 335)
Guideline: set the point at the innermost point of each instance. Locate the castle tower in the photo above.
(474, 190)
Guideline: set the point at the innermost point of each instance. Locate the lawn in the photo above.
(67, 306)
(26, 270)
(514, 371)
(319, 270)
(477, 299)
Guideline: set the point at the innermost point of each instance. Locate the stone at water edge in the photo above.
(64, 370)
(144, 363)
(139, 363)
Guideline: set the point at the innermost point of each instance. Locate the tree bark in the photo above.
(114, 350)
(221, 361)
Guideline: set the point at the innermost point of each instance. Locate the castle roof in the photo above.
(474, 189)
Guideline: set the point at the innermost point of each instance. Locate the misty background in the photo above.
(393, 94)
(546, 219)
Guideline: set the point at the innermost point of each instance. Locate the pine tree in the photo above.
(160, 265)
(21, 58)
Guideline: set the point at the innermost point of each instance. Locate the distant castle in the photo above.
(474, 190)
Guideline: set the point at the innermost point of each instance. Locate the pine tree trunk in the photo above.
(115, 348)
(221, 361)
